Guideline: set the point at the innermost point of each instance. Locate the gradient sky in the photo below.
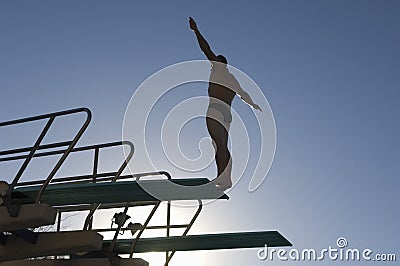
(329, 69)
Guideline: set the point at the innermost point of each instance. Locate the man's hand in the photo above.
(257, 107)
(192, 24)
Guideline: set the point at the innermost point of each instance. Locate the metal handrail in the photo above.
(37, 146)
(152, 227)
(102, 177)
(114, 178)
(27, 149)
(92, 178)
(44, 116)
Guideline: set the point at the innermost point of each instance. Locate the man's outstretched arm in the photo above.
(247, 99)
(235, 86)
(204, 46)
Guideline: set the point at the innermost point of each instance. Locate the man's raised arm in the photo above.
(204, 46)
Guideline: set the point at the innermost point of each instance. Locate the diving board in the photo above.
(124, 191)
(203, 242)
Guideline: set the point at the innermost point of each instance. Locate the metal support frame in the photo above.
(143, 228)
(113, 258)
(167, 227)
(94, 173)
(199, 208)
(58, 221)
(64, 149)
(118, 229)
(89, 217)
(168, 254)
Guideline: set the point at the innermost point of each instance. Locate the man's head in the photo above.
(222, 59)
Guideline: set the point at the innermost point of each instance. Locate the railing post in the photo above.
(32, 152)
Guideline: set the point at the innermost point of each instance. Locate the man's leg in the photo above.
(219, 135)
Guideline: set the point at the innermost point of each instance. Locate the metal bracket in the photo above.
(3, 238)
(13, 207)
(4, 188)
(114, 259)
(27, 235)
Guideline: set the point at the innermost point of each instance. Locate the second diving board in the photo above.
(204, 242)
(124, 191)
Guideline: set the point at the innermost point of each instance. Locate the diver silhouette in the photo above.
(222, 88)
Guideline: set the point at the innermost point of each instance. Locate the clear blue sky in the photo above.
(330, 71)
